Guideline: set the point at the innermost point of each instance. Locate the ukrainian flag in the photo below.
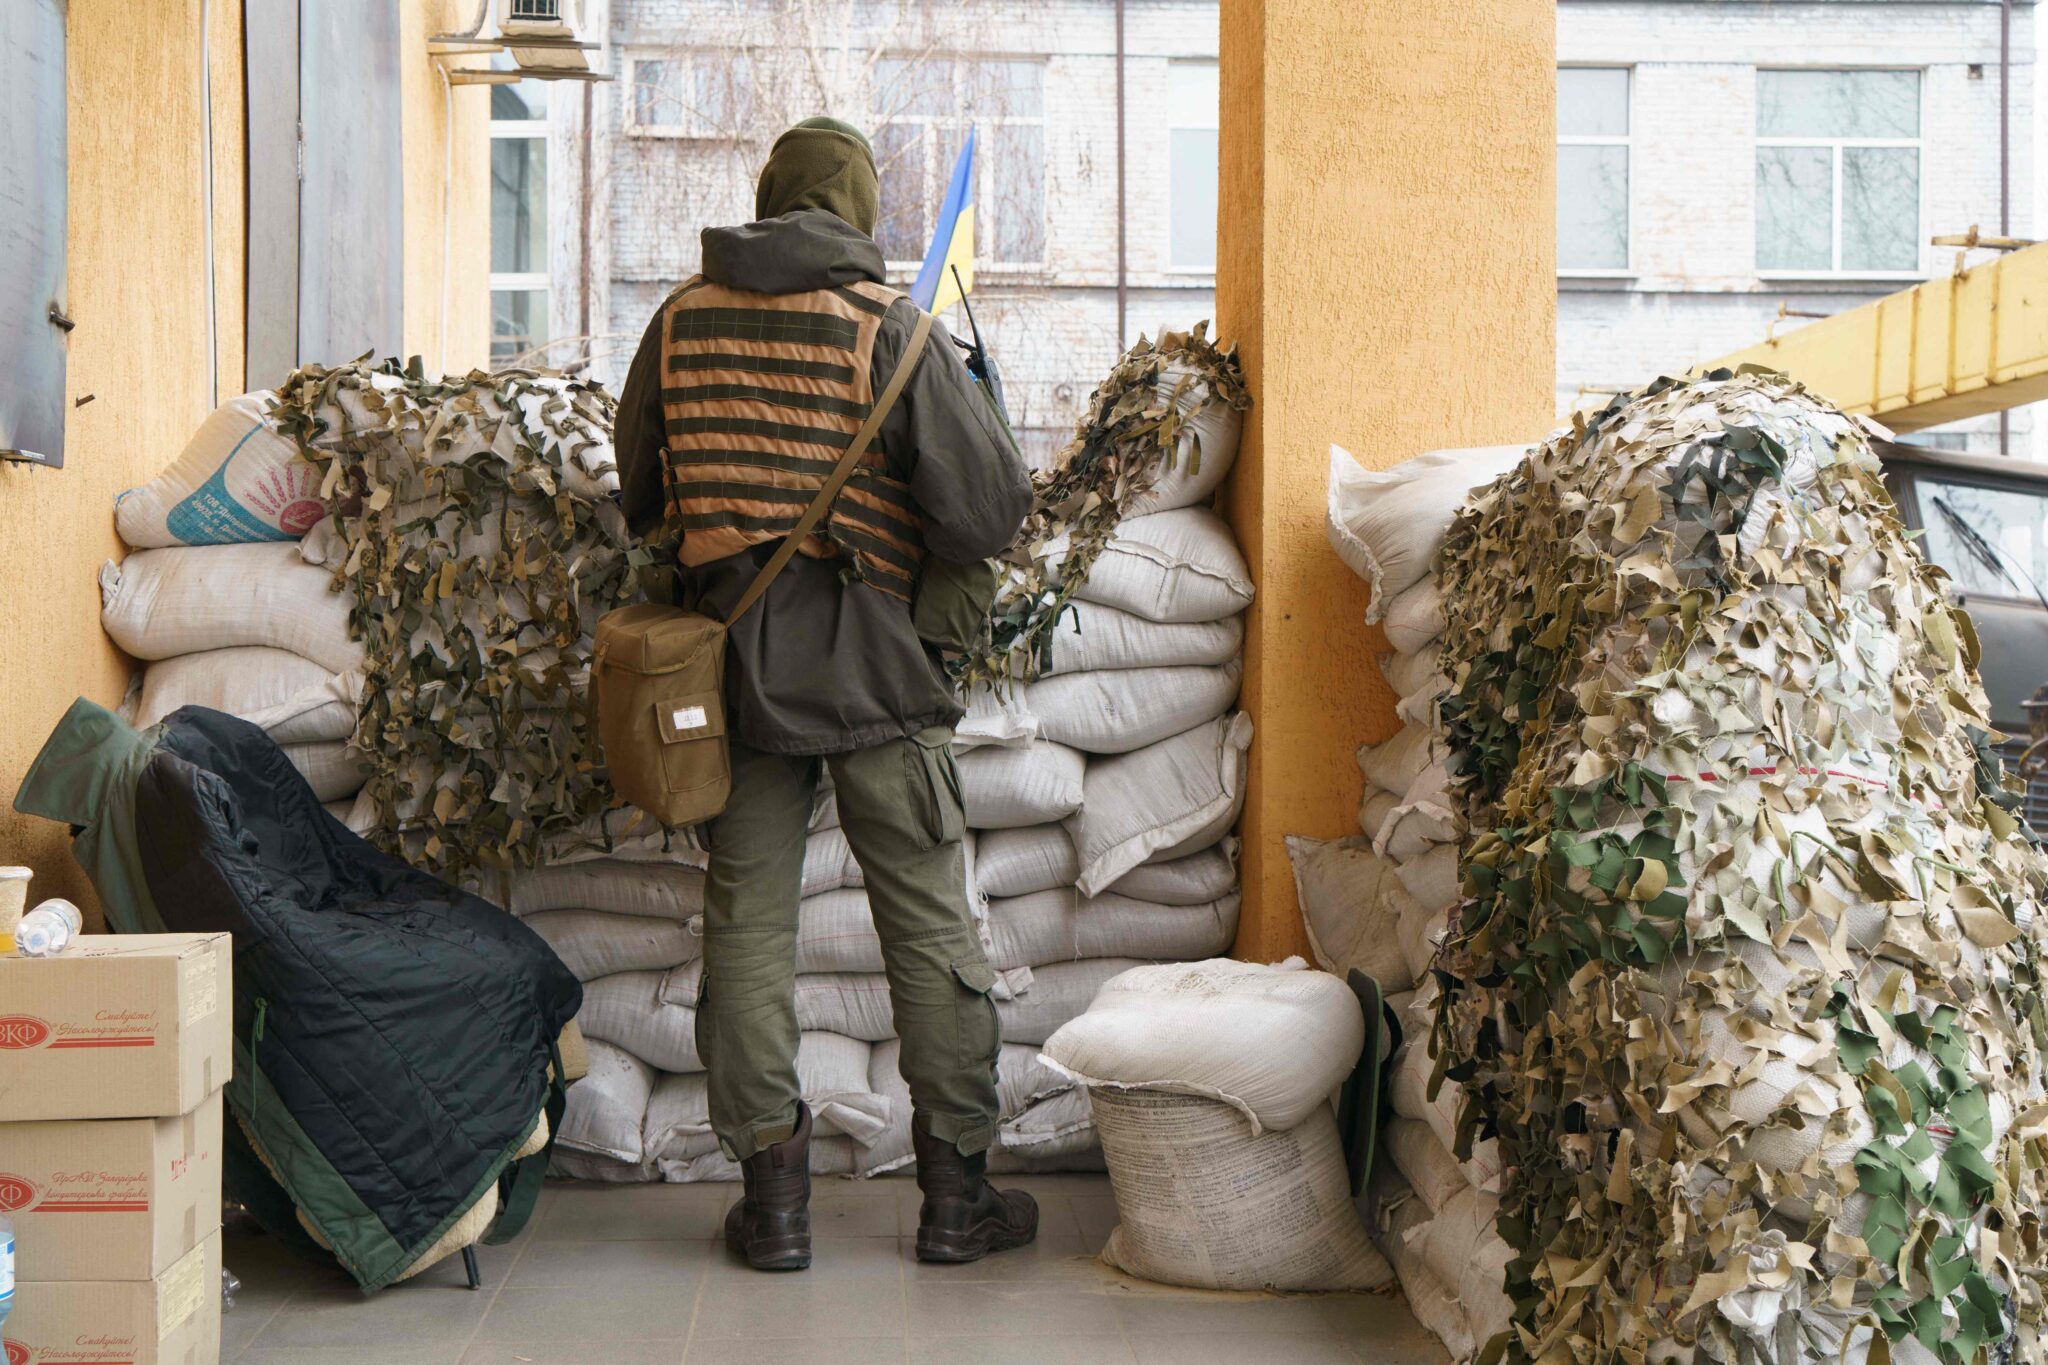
(953, 243)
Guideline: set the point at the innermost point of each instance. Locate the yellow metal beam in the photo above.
(1960, 346)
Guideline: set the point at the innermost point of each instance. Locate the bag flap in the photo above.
(693, 715)
(650, 638)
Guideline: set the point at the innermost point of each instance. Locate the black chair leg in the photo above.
(476, 1276)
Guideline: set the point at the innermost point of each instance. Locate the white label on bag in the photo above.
(688, 718)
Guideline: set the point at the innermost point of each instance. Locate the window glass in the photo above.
(1193, 173)
(2012, 521)
(1838, 104)
(519, 323)
(1880, 208)
(519, 204)
(1592, 101)
(922, 86)
(1191, 94)
(1592, 206)
(520, 101)
(996, 88)
(1795, 208)
(899, 159)
(1016, 157)
(656, 97)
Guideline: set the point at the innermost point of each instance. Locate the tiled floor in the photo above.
(635, 1275)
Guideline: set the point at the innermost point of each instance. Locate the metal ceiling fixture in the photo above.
(548, 40)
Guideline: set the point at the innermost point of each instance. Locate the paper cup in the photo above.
(13, 897)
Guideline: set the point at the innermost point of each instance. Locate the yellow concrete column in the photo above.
(1386, 264)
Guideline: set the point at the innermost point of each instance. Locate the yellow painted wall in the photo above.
(437, 184)
(138, 361)
(1386, 264)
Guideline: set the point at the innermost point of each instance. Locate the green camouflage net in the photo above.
(481, 545)
(1746, 981)
(1130, 435)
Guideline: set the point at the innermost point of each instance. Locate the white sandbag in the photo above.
(1060, 1126)
(1394, 765)
(1207, 1201)
(158, 604)
(627, 1011)
(831, 1155)
(1421, 930)
(1090, 636)
(653, 890)
(1062, 925)
(1374, 808)
(855, 1004)
(1017, 862)
(1001, 720)
(330, 769)
(1006, 788)
(607, 1107)
(294, 700)
(1452, 1264)
(1182, 565)
(1420, 706)
(1271, 1041)
(1021, 1081)
(1165, 801)
(1432, 1172)
(1408, 673)
(592, 944)
(568, 1165)
(1412, 828)
(832, 1077)
(1191, 879)
(1116, 712)
(1415, 620)
(1058, 993)
(828, 863)
(1346, 892)
(1387, 525)
(1204, 453)
(238, 479)
(1432, 878)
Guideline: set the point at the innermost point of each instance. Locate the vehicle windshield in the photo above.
(2012, 522)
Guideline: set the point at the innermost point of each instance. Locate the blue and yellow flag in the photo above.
(953, 243)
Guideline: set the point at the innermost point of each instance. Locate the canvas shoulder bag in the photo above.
(658, 671)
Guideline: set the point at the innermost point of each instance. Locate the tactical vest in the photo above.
(761, 394)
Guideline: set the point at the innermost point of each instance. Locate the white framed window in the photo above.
(1593, 150)
(1838, 173)
(705, 94)
(923, 108)
(1192, 106)
(519, 220)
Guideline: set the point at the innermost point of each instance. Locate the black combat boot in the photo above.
(771, 1224)
(965, 1218)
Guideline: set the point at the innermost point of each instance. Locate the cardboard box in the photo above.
(116, 1026)
(111, 1199)
(173, 1319)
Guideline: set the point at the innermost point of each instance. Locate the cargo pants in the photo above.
(899, 805)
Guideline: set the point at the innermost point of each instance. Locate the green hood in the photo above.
(821, 164)
(86, 777)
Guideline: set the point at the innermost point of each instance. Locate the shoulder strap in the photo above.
(858, 447)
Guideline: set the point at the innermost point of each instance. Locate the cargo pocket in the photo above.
(693, 753)
(978, 1027)
(932, 785)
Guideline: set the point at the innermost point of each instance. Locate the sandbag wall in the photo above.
(1382, 901)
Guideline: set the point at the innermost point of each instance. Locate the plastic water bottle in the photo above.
(6, 1268)
(46, 930)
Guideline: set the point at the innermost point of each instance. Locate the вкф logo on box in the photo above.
(18, 1031)
(17, 1354)
(15, 1193)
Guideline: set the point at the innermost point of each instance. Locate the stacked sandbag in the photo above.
(1210, 1084)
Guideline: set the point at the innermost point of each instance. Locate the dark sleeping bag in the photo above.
(394, 1036)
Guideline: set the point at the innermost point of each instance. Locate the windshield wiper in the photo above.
(1984, 551)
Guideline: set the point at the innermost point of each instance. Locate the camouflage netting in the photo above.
(481, 545)
(1746, 982)
(1142, 422)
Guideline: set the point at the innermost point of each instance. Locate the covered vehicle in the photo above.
(395, 1076)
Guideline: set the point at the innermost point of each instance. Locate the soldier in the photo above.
(746, 389)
